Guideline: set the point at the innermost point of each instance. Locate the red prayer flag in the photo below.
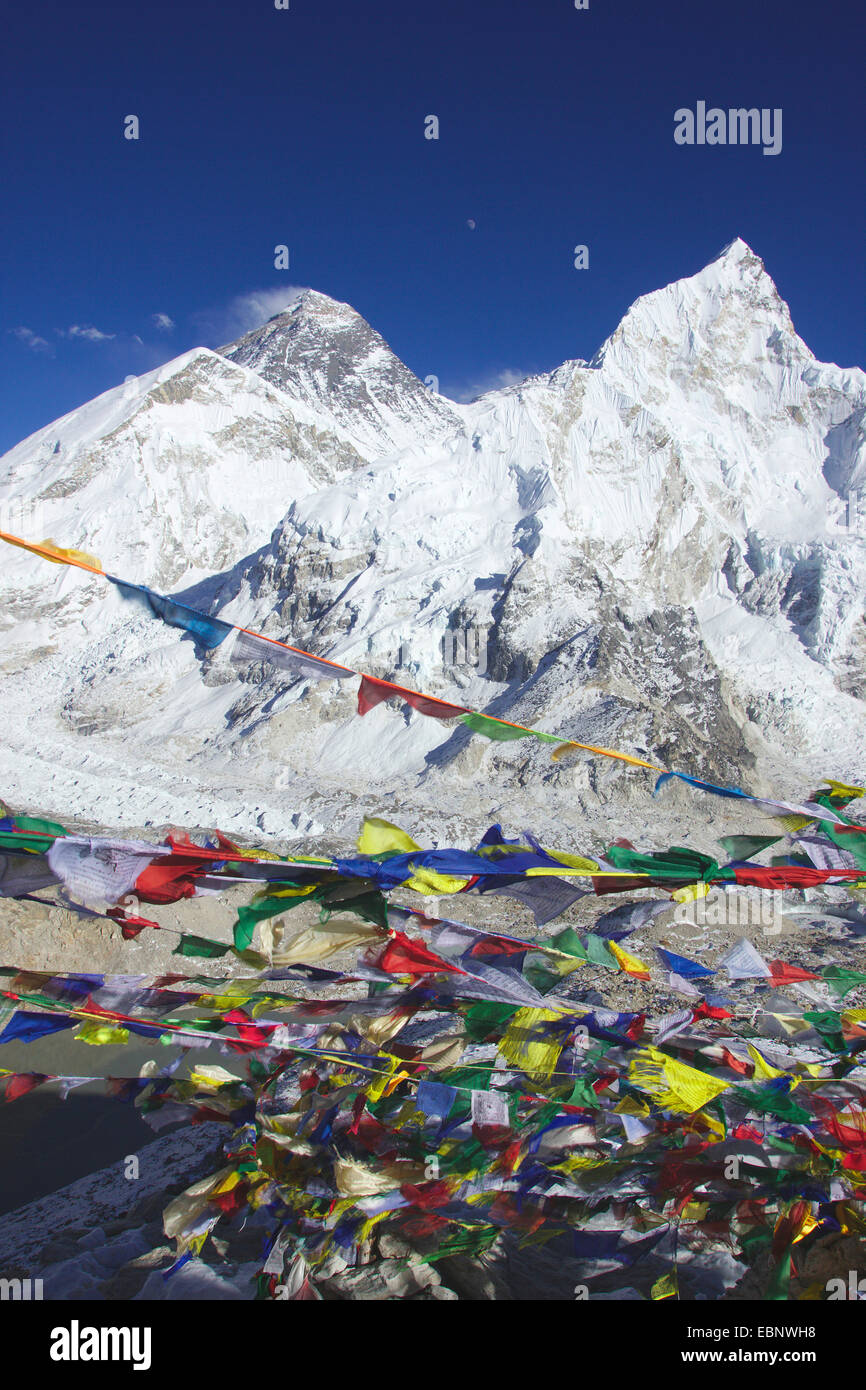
(782, 973)
(427, 1195)
(130, 927)
(744, 1131)
(789, 875)
(372, 692)
(630, 884)
(498, 946)
(737, 1064)
(403, 956)
(22, 1083)
(249, 1032)
(168, 879)
(418, 1227)
(705, 1010)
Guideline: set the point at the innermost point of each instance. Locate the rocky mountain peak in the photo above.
(730, 311)
(323, 353)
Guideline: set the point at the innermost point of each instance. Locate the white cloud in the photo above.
(246, 311)
(494, 381)
(87, 331)
(31, 339)
(162, 322)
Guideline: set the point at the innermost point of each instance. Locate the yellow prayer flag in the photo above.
(792, 1023)
(841, 789)
(674, 1085)
(365, 1229)
(850, 1219)
(763, 1070)
(425, 880)
(630, 964)
(380, 837)
(524, 1046)
(100, 1034)
(394, 1082)
(808, 1223)
(691, 892)
(285, 892)
(223, 1002)
(574, 861)
(709, 1122)
(50, 550)
(814, 1293)
(630, 1105)
(210, 1078)
(229, 1181)
(794, 822)
(666, 1286)
(377, 1086)
(565, 748)
(695, 1211)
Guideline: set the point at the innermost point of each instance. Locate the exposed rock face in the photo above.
(324, 354)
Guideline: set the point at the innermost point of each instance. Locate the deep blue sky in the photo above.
(306, 127)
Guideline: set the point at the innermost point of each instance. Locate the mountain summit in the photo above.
(323, 354)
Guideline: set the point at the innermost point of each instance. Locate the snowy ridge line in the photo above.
(217, 630)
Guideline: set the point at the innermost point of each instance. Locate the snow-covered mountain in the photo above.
(323, 354)
(655, 549)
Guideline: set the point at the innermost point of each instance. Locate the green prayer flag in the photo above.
(745, 846)
(541, 976)
(854, 844)
(464, 1158)
(466, 1242)
(370, 906)
(265, 906)
(777, 1288)
(583, 1095)
(678, 862)
(754, 1240)
(190, 945)
(569, 943)
(340, 895)
(828, 1023)
(468, 1078)
(500, 732)
(45, 827)
(597, 951)
(842, 980)
(42, 835)
(484, 1019)
(771, 1102)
